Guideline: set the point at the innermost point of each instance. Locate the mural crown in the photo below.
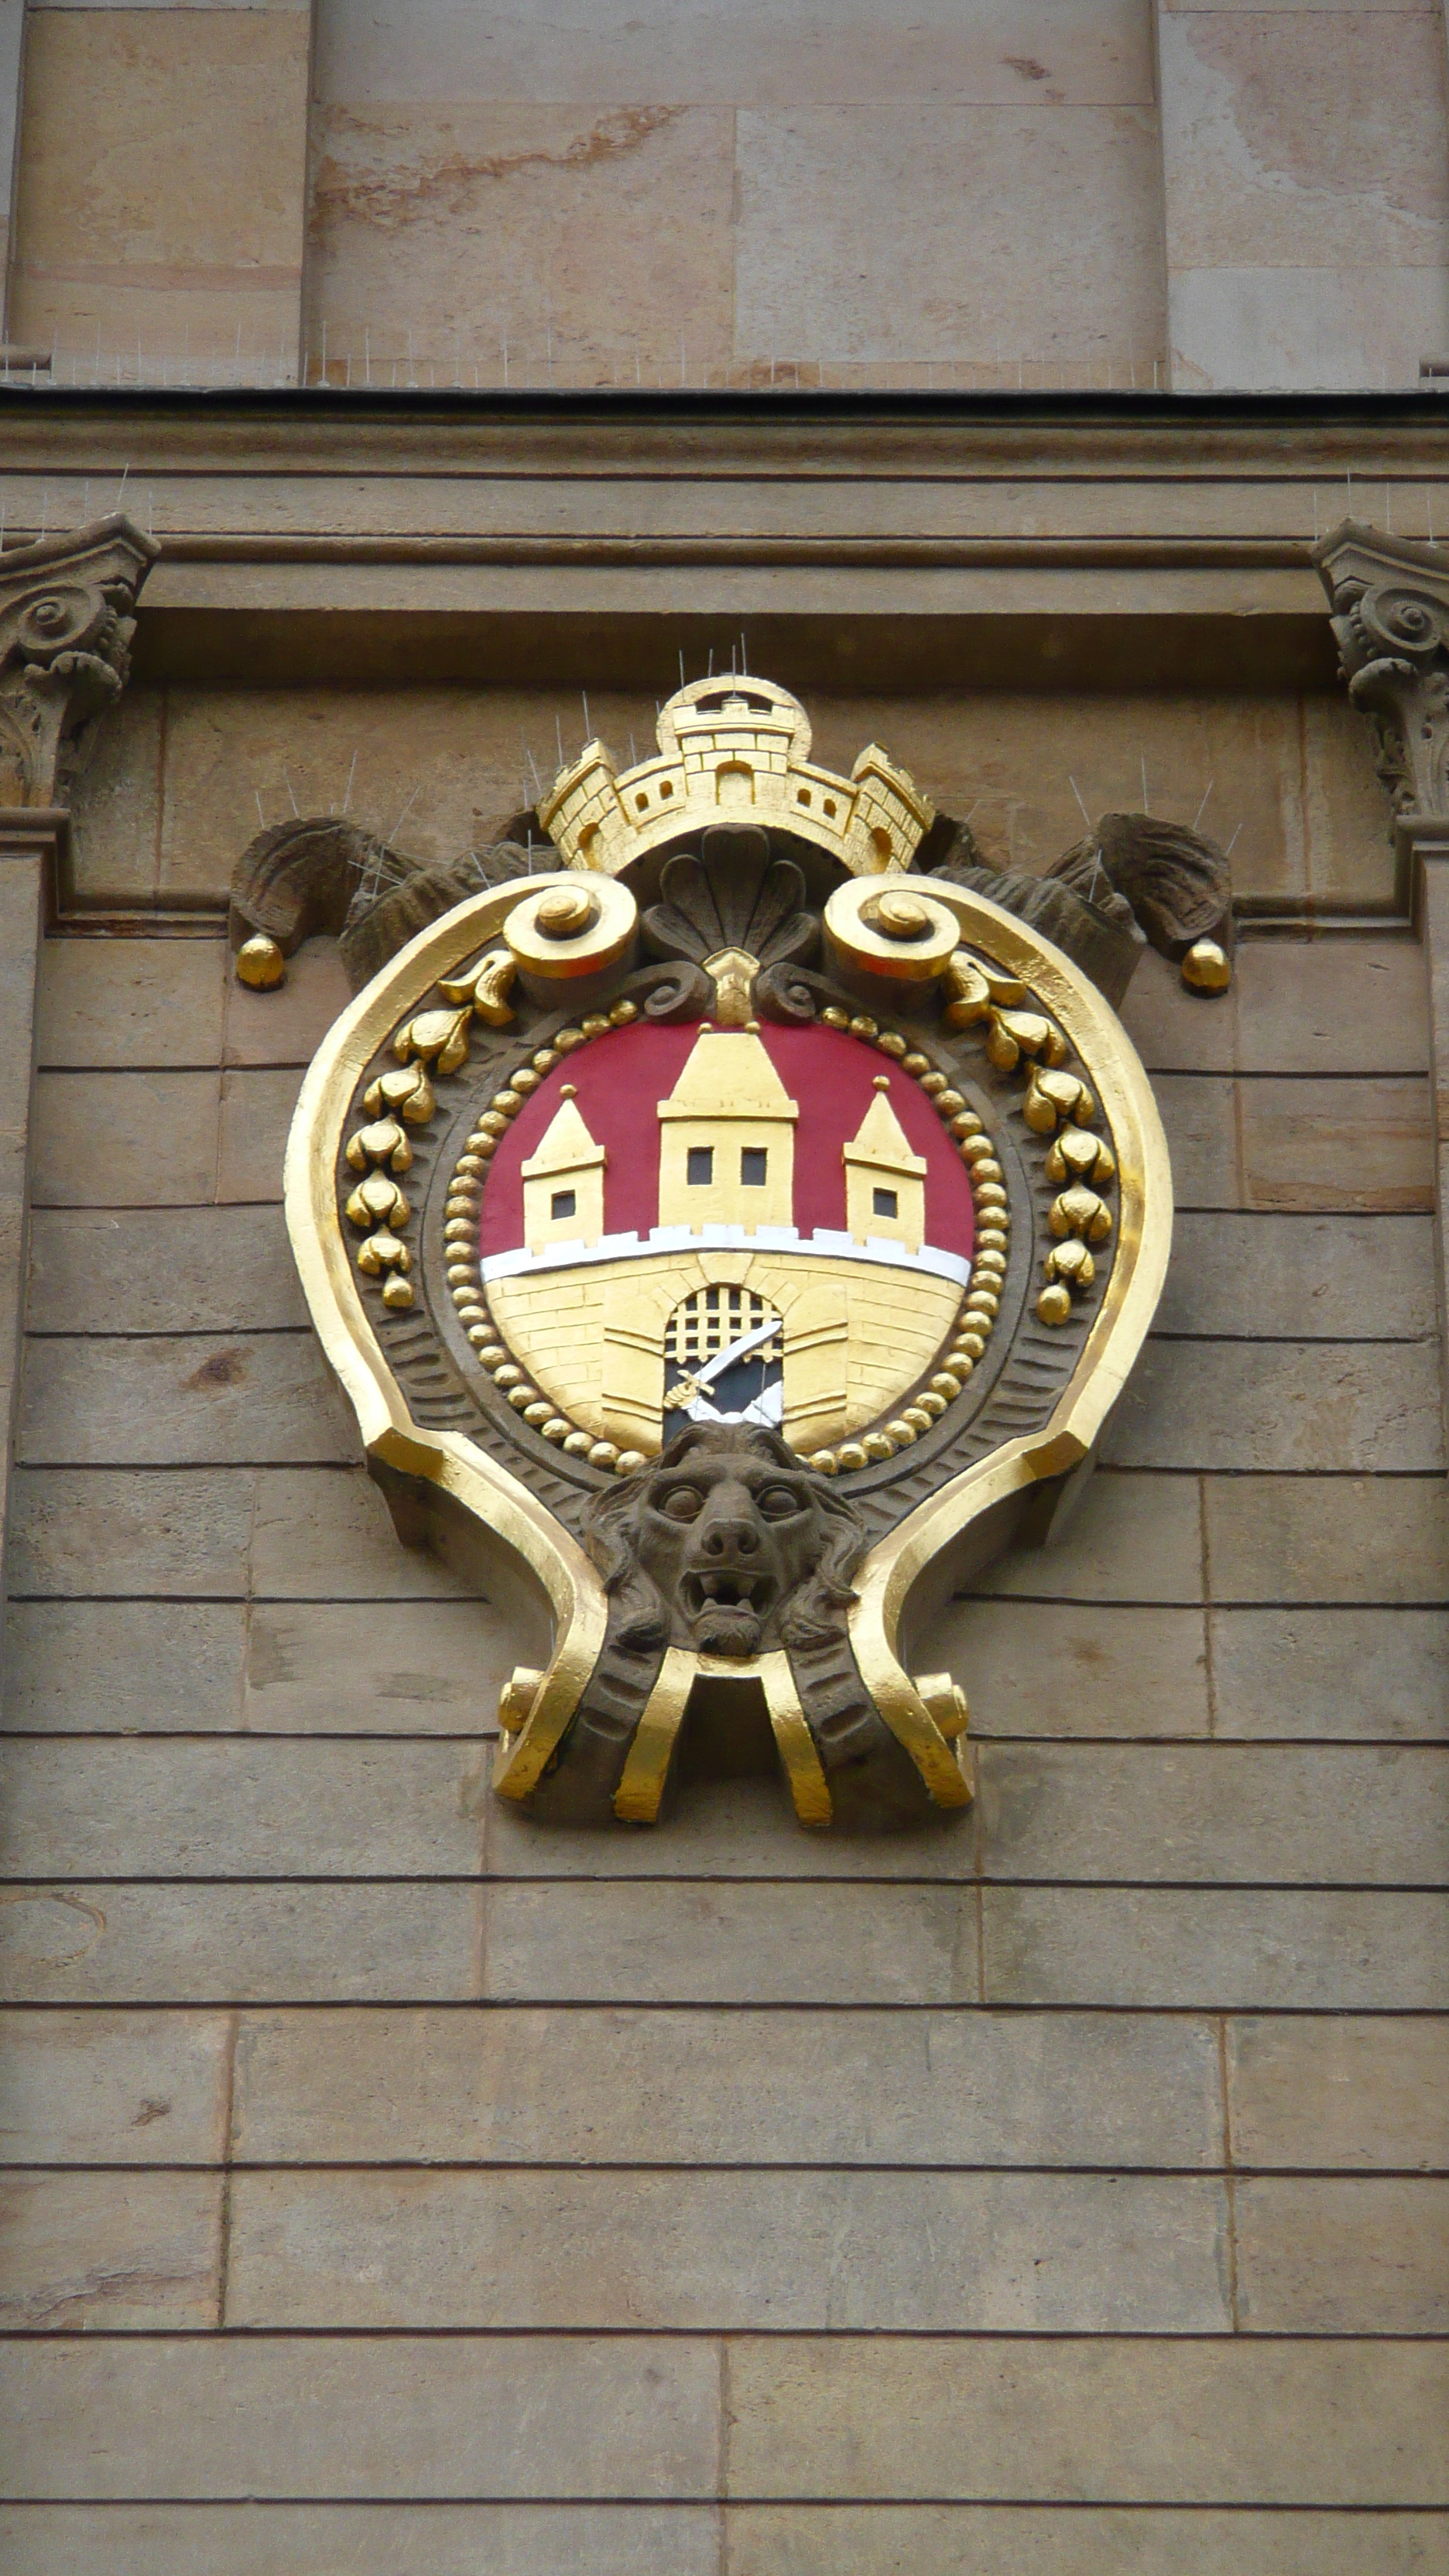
(734, 750)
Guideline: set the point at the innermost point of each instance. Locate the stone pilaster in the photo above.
(27, 858)
(65, 634)
(1390, 599)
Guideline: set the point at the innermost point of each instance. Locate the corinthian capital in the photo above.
(65, 638)
(1390, 599)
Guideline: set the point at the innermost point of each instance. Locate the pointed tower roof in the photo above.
(565, 1145)
(728, 1075)
(881, 1140)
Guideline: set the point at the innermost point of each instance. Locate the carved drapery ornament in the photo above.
(1390, 598)
(66, 626)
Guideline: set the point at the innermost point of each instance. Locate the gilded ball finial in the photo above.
(1207, 967)
(260, 964)
(881, 1082)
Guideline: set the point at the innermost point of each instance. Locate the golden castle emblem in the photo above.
(722, 1249)
(734, 751)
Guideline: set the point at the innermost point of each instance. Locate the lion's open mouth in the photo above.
(733, 1591)
(726, 1611)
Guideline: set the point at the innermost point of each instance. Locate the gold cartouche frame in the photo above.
(516, 1538)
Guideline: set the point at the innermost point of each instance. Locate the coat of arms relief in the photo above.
(732, 1224)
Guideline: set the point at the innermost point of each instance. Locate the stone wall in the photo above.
(1116, 192)
(1048, 2191)
(391, 2187)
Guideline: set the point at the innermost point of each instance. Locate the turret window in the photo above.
(700, 1174)
(565, 1203)
(754, 1160)
(884, 1203)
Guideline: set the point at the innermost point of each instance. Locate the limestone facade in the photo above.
(391, 2185)
(1012, 194)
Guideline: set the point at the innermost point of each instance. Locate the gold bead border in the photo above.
(970, 1334)
(461, 1212)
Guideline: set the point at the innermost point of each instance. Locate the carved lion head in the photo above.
(727, 1543)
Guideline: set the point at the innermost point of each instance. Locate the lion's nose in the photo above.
(731, 1538)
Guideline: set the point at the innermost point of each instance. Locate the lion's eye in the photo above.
(778, 1502)
(684, 1503)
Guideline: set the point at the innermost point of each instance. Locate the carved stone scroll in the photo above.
(1390, 599)
(65, 637)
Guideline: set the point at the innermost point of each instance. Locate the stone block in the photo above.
(256, 1113)
(161, 1530)
(1042, 2540)
(722, 1830)
(1277, 1540)
(1360, 2094)
(707, 1942)
(1360, 2256)
(1332, 1006)
(1074, 1668)
(1132, 1538)
(455, 753)
(1197, 1111)
(1015, 761)
(1263, 171)
(1172, 2422)
(1281, 1406)
(381, 2540)
(115, 815)
(1346, 818)
(89, 2088)
(764, 57)
(183, 1400)
(413, 1668)
(421, 212)
(125, 1139)
(1256, 1814)
(863, 2252)
(268, 1943)
(1301, 329)
(324, 1534)
(1292, 1949)
(1174, 1030)
(194, 194)
(233, 1807)
(742, 2087)
(147, 1003)
(1319, 1143)
(816, 275)
(118, 1667)
(162, 1270)
(1300, 1278)
(1345, 1673)
(332, 2417)
(287, 1026)
(110, 2252)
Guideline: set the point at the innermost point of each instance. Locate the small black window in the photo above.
(701, 1166)
(883, 1203)
(753, 1159)
(563, 1203)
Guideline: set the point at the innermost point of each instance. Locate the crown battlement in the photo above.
(734, 751)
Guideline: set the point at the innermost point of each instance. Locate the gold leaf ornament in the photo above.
(407, 1092)
(1079, 1211)
(1076, 1156)
(382, 1142)
(439, 1037)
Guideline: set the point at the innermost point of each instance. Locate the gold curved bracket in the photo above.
(893, 1575)
(511, 1524)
